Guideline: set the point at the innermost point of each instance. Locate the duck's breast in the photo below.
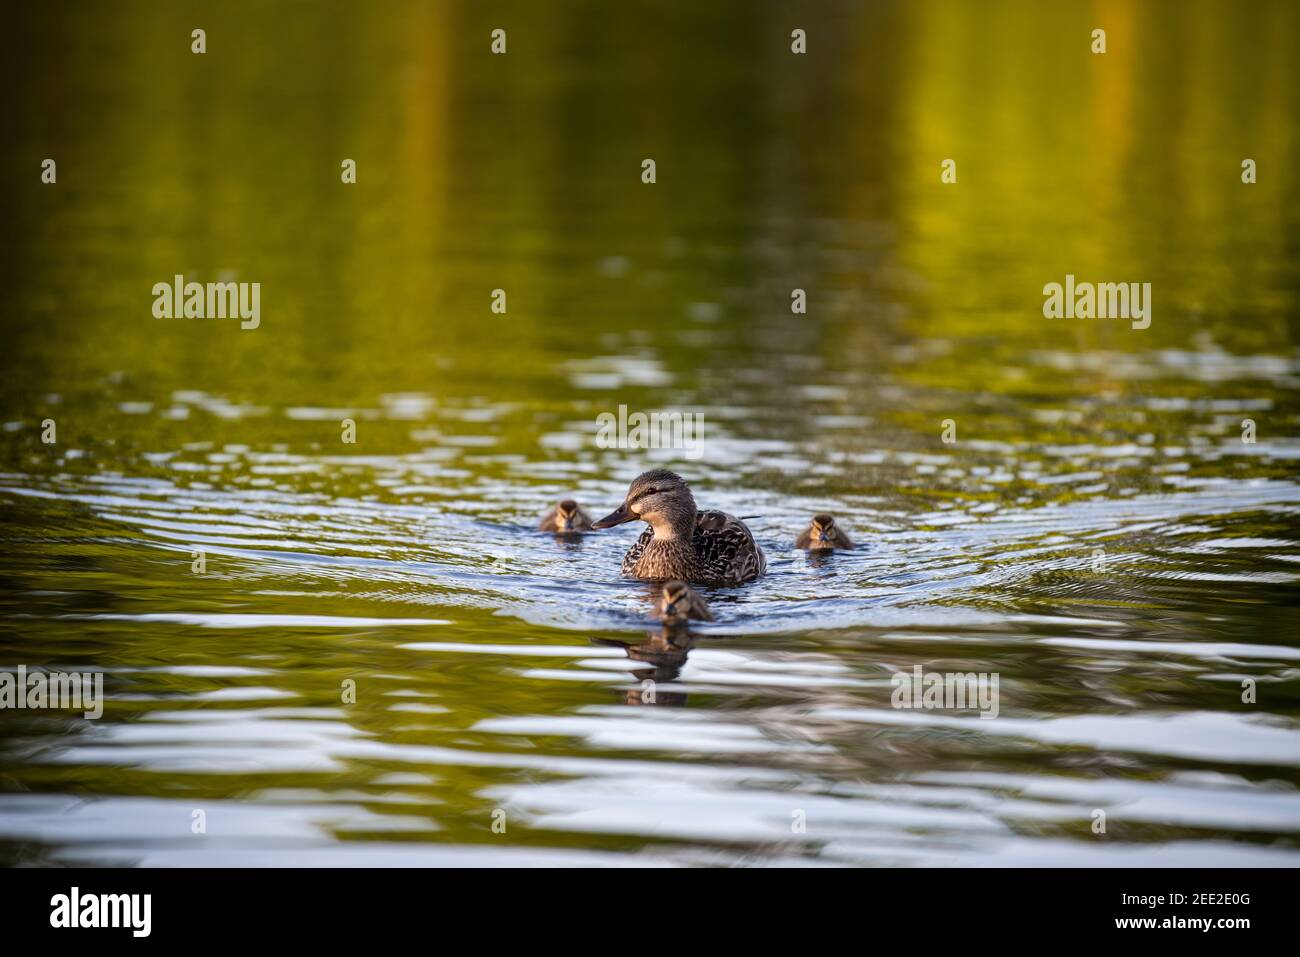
(637, 550)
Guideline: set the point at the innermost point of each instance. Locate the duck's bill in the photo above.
(617, 517)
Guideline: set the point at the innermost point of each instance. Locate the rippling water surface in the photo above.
(1099, 535)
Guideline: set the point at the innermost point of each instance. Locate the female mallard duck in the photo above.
(823, 533)
(567, 516)
(678, 601)
(706, 548)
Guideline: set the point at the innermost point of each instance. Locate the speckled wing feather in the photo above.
(727, 552)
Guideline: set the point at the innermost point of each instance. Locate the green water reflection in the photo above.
(522, 172)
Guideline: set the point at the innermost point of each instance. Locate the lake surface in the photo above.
(1100, 534)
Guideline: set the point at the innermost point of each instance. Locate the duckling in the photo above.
(823, 534)
(716, 551)
(567, 516)
(678, 601)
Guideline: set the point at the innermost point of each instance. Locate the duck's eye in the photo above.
(651, 491)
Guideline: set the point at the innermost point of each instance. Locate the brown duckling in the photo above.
(717, 551)
(822, 534)
(678, 601)
(567, 516)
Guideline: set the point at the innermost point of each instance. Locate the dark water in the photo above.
(1099, 535)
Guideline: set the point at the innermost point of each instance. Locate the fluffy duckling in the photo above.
(567, 516)
(717, 551)
(822, 534)
(678, 601)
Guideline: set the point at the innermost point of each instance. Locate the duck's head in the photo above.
(823, 527)
(566, 514)
(675, 599)
(659, 497)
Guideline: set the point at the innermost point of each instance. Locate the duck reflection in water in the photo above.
(664, 653)
(665, 649)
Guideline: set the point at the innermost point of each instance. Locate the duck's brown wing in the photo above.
(548, 522)
(804, 540)
(638, 548)
(727, 552)
(711, 520)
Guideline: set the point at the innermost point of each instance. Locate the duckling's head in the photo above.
(566, 514)
(675, 599)
(823, 527)
(659, 497)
